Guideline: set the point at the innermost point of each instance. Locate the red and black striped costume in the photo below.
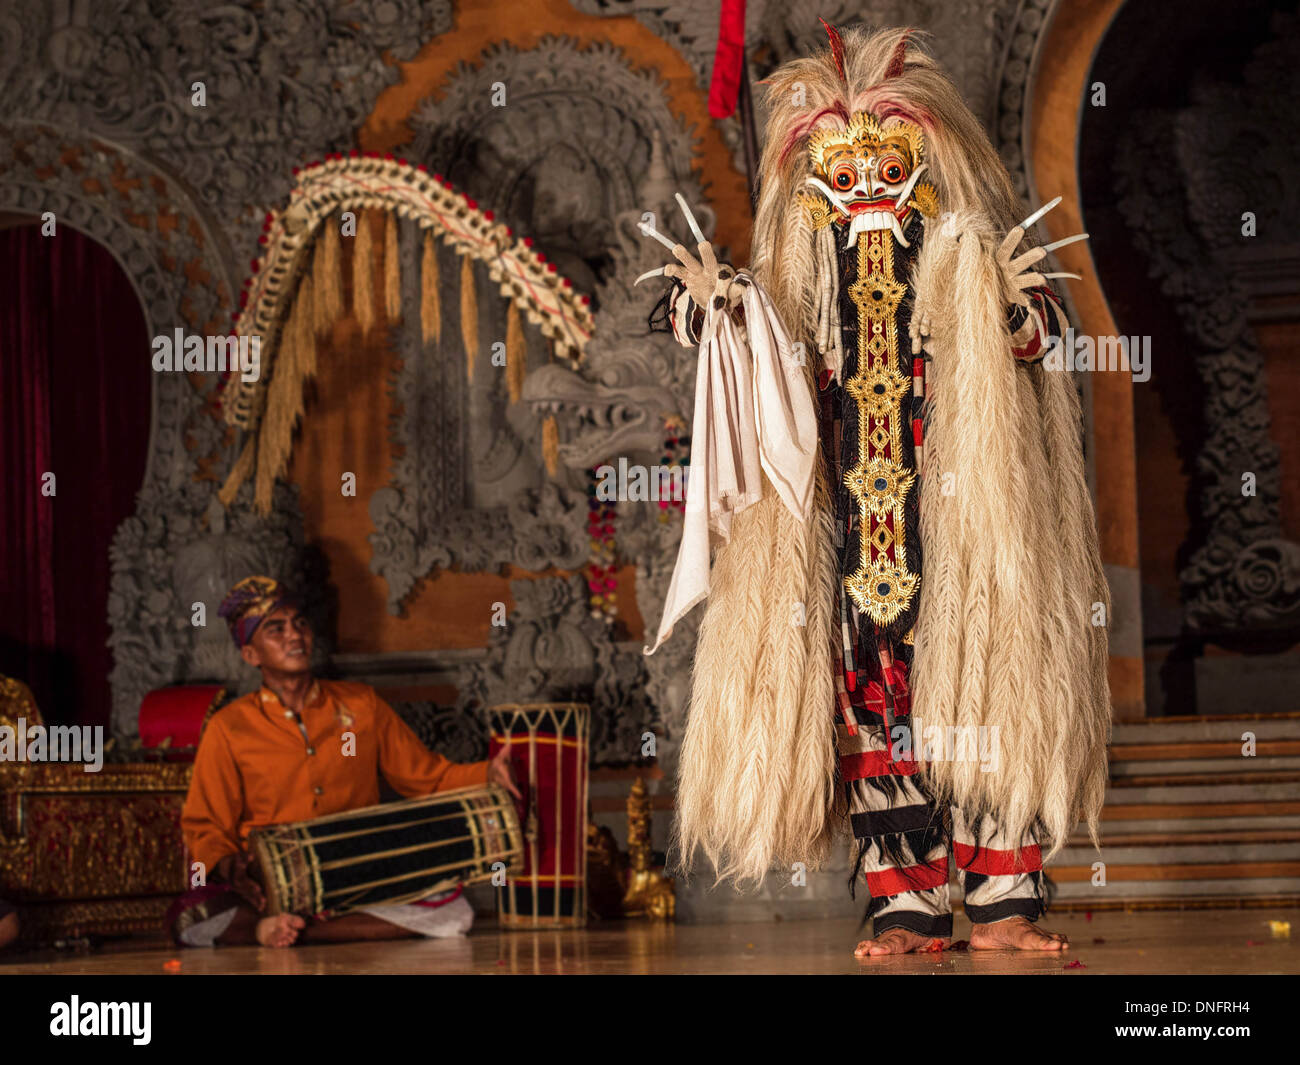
(902, 836)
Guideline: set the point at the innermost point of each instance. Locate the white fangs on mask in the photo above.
(867, 221)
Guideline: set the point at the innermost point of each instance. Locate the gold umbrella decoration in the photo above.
(294, 295)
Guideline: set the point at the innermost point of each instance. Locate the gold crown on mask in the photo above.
(866, 135)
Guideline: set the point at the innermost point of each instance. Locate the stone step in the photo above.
(1189, 832)
(1180, 825)
(1209, 780)
(1230, 748)
(1273, 766)
(1186, 730)
(1119, 812)
(1176, 852)
(1227, 890)
(1201, 790)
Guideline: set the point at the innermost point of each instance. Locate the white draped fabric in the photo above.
(753, 412)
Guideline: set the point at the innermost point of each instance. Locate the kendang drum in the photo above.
(548, 750)
(390, 853)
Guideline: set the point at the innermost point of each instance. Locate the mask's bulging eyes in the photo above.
(844, 176)
(892, 170)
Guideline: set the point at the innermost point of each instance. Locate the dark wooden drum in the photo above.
(391, 853)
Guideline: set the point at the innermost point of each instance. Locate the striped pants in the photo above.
(903, 843)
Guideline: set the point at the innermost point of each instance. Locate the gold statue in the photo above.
(649, 893)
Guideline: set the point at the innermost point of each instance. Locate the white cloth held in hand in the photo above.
(753, 411)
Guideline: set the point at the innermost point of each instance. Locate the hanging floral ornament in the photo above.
(600, 570)
(677, 453)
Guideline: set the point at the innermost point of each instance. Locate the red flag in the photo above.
(728, 60)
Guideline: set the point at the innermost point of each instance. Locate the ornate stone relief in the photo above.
(630, 383)
(1019, 27)
(451, 502)
(178, 192)
(284, 81)
(565, 104)
(959, 31)
(454, 732)
(779, 31)
(104, 134)
(554, 650)
(566, 153)
(1185, 213)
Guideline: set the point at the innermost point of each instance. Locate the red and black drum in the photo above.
(549, 751)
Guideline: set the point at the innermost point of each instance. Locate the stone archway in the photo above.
(164, 246)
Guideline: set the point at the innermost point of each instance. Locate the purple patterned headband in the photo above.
(250, 602)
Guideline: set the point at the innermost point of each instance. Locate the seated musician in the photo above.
(298, 749)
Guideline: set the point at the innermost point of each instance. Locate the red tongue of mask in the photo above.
(873, 205)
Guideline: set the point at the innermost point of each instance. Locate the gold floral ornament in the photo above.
(819, 211)
(879, 484)
(881, 590)
(880, 295)
(879, 390)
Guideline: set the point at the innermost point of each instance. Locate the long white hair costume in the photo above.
(1012, 582)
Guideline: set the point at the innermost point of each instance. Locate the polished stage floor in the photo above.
(1183, 942)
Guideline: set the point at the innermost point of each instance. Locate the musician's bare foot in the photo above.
(895, 941)
(280, 930)
(1015, 933)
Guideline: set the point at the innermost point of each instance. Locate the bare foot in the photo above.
(280, 930)
(895, 941)
(1015, 933)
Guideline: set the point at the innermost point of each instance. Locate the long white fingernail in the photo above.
(690, 219)
(1039, 213)
(650, 231)
(1062, 243)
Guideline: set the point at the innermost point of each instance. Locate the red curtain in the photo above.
(74, 402)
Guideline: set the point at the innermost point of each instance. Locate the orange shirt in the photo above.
(255, 768)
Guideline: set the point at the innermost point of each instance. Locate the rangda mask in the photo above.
(868, 174)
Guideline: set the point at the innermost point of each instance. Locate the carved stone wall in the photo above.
(566, 154)
(632, 384)
(283, 81)
(105, 133)
(970, 37)
(467, 487)
(1183, 189)
(586, 146)
(553, 650)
